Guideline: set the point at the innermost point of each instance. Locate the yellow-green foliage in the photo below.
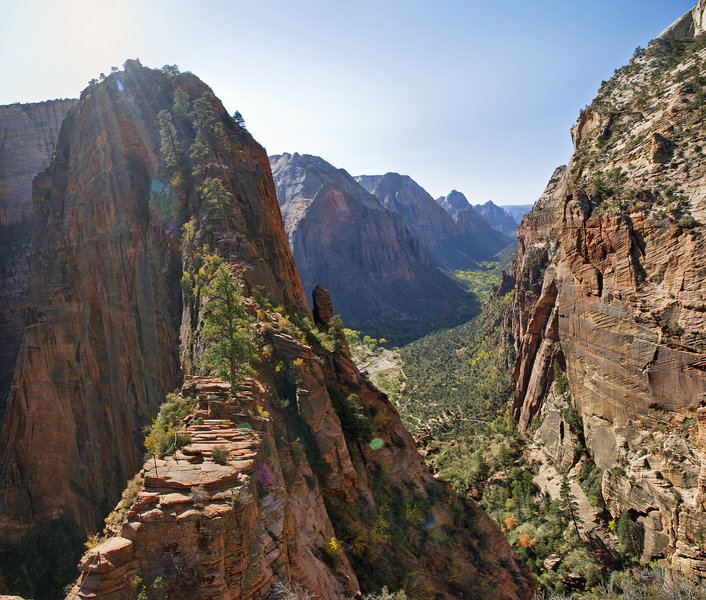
(166, 435)
(481, 281)
(115, 520)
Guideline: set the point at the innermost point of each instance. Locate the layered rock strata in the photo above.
(152, 188)
(101, 347)
(610, 289)
(28, 134)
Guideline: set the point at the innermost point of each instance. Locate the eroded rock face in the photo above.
(221, 527)
(434, 227)
(317, 454)
(610, 287)
(101, 347)
(365, 255)
(28, 134)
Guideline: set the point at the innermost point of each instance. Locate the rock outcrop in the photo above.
(610, 290)
(101, 347)
(317, 483)
(379, 277)
(28, 134)
(433, 226)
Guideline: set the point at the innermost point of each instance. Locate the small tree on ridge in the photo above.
(229, 326)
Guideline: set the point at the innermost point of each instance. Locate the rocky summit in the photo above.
(302, 477)
(379, 276)
(498, 217)
(610, 290)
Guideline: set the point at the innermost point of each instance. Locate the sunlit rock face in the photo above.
(610, 286)
(28, 134)
(101, 346)
(113, 325)
(375, 268)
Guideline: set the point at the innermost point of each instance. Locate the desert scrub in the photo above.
(220, 455)
(167, 435)
(115, 520)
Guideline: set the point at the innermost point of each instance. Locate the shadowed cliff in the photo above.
(152, 185)
(377, 272)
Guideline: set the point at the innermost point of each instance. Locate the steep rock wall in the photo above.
(101, 347)
(151, 185)
(28, 134)
(610, 289)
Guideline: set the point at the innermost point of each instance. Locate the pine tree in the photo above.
(568, 505)
(229, 326)
(171, 149)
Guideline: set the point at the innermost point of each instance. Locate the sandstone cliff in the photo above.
(610, 289)
(378, 275)
(153, 184)
(101, 346)
(28, 134)
(435, 228)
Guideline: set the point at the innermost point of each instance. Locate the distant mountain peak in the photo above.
(499, 218)
(454, 202)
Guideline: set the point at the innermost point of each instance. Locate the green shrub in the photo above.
(687, 222)
(220, 455)
(166, 435)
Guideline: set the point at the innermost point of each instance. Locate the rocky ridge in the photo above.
(473, 225)
(28, 134)
(498, 217)
(102, 345)
(376, 270)
(610, 290)
(300, 497)
(152, 185)
(433, 226)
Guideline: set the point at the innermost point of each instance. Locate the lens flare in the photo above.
(264, 475)
(376, 443)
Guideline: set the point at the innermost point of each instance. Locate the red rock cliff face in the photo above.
(28, 134)
(101, 347)
(610, 273)
(322, 488)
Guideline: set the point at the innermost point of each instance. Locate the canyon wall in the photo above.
(610, 290)
(28, 134)
(446, 243)
(152, 187)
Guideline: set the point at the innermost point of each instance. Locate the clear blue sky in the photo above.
(467, 94)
